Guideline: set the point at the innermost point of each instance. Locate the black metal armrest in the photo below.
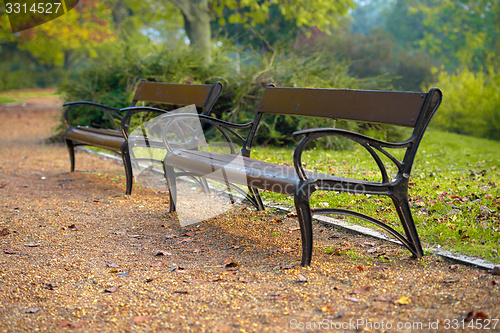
(133, 110)
(369, 143)
(108, 110)
(224, 127)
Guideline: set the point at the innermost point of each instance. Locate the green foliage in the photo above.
(23, 78)
(454, 190)
(471, 104)
(319, 13)
(458, 33)
(377, 54)
(112, 76)
(111, 79)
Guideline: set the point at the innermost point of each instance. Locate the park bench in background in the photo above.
(410, 109)
(114, 137)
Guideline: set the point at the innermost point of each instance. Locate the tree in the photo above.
(460, 33)
(78, 31)
(197, 15)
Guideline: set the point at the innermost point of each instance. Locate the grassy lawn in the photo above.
(20, 96)
(454, 190)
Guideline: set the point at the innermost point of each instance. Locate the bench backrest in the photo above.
(412, 109)
(398, 108)
(202, 95)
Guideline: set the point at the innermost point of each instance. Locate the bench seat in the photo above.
(104, 138)
(247, 171)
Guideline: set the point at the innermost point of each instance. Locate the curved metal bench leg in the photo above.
(172, 186)
(301, 199)
(404, 212)
(71, 150)
(254, 192)
(127, 163)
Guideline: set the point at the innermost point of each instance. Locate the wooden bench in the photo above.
(411, 109)
(114, 137)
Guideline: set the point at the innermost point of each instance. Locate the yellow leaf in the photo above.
(403, 300)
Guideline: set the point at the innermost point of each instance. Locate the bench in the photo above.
(114, 136)
(410, 109)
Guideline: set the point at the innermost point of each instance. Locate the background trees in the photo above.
(391, 44)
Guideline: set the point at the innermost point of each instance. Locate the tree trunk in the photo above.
(197, 24)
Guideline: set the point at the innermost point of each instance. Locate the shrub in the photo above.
(471, 104)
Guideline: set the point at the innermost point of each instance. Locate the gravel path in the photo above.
(76, 254)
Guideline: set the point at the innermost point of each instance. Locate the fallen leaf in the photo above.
(495, 282)
(372, 250)
(181, 292)
(50, 286)
(159, 264)
(112, 265)
(123, 274)
(338, 288)
(327, 308)
(2, 185)
(301, 278)
(471, 315)
(188, 234)
(31, 310)
(383, 299)
(214, 279)
(292, 214)
(4, 232)
(111, 289)
(171, 236)
(32, 244)
(351, 299)
(141, 319)
(360, 268)
(289, 266)
(176, 268)
(361, 290)
(9, 251)
(149, 280)
(163, 253)
(453, 267)
(229, 263)
(185, 240)
(290, 230)
(198, 250)
(403, 300)
(235, 247)
(72, 227)
(366, 244)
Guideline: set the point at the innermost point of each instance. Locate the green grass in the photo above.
(20, 96)
(8, 100)
(454, 190)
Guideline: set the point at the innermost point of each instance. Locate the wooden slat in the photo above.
(399, 108)
(173, 93)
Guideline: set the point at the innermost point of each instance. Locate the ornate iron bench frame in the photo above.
(115, 139)
(410, 109)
